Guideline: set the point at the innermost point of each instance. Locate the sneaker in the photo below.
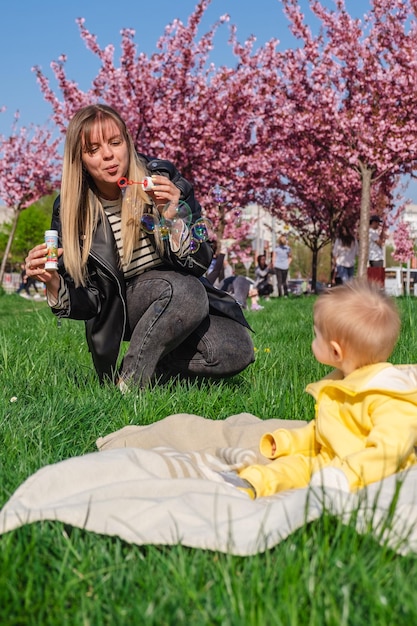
(256, 307)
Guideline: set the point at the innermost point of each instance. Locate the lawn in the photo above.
(52, 408)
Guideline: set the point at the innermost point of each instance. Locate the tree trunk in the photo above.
(314, 265)
(366, 175)
(16, 214)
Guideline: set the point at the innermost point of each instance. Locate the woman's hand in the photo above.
(165, 195)
(35, 268)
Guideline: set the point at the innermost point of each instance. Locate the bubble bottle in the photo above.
(51, 240)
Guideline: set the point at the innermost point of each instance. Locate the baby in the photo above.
(365, 427)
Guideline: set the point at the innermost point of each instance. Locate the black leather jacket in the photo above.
(102, 302)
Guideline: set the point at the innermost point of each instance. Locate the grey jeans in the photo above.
(282, 281)
(173, 333)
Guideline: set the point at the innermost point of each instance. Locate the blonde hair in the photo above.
(361, 318)
(81, 209)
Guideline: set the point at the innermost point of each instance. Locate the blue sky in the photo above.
(36, 33)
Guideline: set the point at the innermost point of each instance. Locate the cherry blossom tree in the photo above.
(319, 195)
(350, 91)
(177, 105)
(343, 97)
(30, 169)
(403, 233)
(403, 243)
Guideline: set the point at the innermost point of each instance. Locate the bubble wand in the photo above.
(147, 182)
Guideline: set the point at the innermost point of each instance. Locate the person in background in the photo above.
(376, 242)
(376, 271)
(281, 260)
(215, 272)
(345, 251)
(365, 424)
(262, 274)
(241, 288)
(125, 279)
(24, 283)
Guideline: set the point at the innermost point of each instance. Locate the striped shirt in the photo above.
(144, 255)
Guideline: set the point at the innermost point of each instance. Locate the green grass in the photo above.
(51, 574)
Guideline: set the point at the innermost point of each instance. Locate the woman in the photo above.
(262, 283)
(121, 274)
(345, 251)
(281, 260)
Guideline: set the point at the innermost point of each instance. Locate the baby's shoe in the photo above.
(256, 307)
(242, 484)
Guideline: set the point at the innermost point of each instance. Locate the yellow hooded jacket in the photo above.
(365, 425)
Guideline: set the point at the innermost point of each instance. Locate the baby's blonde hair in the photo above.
(361, 318)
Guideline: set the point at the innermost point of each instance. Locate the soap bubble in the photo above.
(194, 245)
(176, 226)
(219, 194)
(164, 227)
(149, 223)
(183, 212)
(237, 217)
(202, 230)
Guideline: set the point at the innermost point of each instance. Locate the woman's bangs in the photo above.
(101, 128)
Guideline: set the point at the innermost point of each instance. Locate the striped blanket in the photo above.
(161, 484)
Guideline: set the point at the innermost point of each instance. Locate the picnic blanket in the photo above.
(160, 484)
